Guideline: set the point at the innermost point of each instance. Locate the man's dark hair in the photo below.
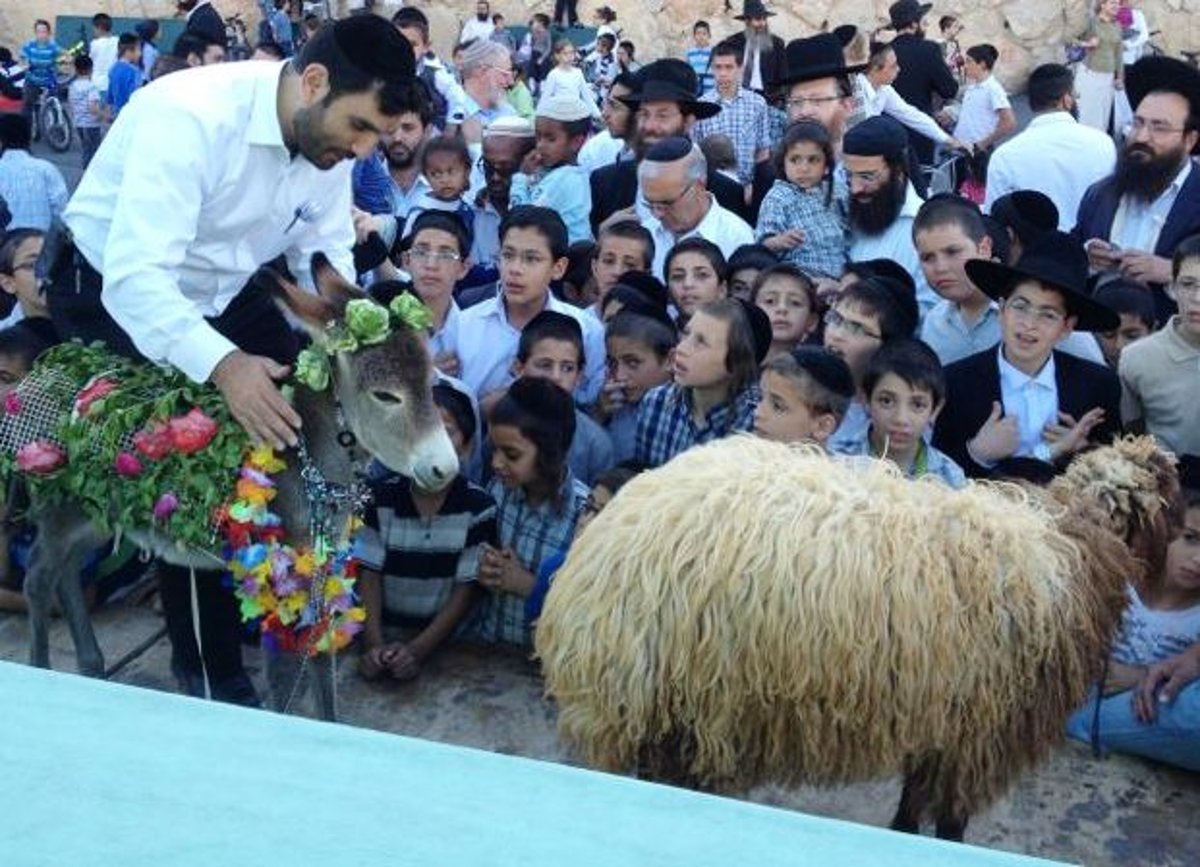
(363, 53)
(102, 22)
(271, 47)
(727, 48)
(15, 131)
(1048, 84)
(127, 42)
(413, 18)
(192, 42)
(544, 221)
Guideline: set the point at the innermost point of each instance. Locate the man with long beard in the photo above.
(1132, 221)
(479, 27)
(883, 202)
(763, 53)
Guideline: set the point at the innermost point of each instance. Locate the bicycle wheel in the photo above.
(56, 125)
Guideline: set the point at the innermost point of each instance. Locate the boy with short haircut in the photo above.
(1024, 408)
(102, 50)
(905, 389)
(1160, 385)
(1135, 306)
(446, 165)
(533, 254)
(126, 74)
(561, 126)
(436, 259)
(621, 247)
(699, 55)
(87, 107)
(639, 348)
(447, 98)
(805, 396)
(551, 347)
(420, 553)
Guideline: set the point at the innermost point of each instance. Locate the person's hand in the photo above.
(828, 290)
(447, 363)
(371, 663)
(1121, 677)
(1145, 267)
(612, 397)
(959, 145)
(501, 570)
(365, 224)
(997, 439)
(788, 240)
(247, 382)
(1163, 681)
(1102, 255)
(1067, 436)
(402, 663)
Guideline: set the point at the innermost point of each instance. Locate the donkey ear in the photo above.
(333, 288)
(312, 311)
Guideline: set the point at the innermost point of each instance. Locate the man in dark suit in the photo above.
(665, 105)
(1022, 408)
(203, 19)
(762, 51)
(923, 71)
(1132, 221)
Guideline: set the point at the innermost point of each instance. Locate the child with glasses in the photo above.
(436, 259)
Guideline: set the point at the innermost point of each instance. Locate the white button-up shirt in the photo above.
(1032, 399)
(885, 100)
(724, 228)
(1137, 224)
(192, 190)
(1055, 155)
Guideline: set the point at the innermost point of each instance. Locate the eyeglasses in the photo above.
(801, 101)
(662, 206)
(1184, 289)
(833, 319)
(528, 258)
(427, 255)
(1154, 128)
(1047, 316)
(503, 70)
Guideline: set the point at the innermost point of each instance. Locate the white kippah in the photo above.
(509, 126)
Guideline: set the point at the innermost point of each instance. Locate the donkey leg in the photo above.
(64, 540)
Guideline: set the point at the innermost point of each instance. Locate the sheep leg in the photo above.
(952, 826)
(913, 800)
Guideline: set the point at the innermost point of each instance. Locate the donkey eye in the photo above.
(385, 397)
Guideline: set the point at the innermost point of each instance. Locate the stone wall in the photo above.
(1026, 33)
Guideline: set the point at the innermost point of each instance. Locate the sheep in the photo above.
(755, 612)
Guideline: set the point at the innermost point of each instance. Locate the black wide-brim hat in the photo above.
(670, 80)
(1167, 75)
(753, 9)
(1058, 261)
(904, 12)
(814, 57)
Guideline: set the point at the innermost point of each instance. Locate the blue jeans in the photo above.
(1173, 738)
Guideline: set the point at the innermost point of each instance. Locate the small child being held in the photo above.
(639, 348)
(805, 395)
(789, 298)
(804, 215)
(446, 165)
(561, 124)
(905, 389)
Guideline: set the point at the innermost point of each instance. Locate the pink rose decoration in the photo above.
(154, 441)
(192, 432)
(127, 465)
(165, 506)
(12, 403)
(93, 392)
(40, 457)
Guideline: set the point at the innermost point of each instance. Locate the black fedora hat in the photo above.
(819, 56)
(1058, 261)
(904, 12)
(1166, 75)
(670, 80)
(753, 9)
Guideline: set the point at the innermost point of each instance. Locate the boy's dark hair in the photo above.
(655, 334)
(950, 210)
(706, 248)
(541, 18)
(1189, 248)
(41, 22)
(410, 17)
(550, 325)
(147, 29)
(823, 379)
(615, 478)
(127, 42)
(809, 131)
(456, 403)
(1048, 84)
(443, 221)
(788, 271)
(629, 47)
(192, 42)
(16, 131)
(271, 47)
(740, 354)
(497, 18)
(894, 305)
(985, 54)
(1001, 241)
(911, 360)
(579, 264)
(83, 64)
(718, 152)
(363, 53)
(446, 144)
(754, 256)
(102, 21)
(544, 221)
(945, 22)
(609, 39)
(1126, 296)
(631, 230)
(545, 415)
(727, 48)
(18, 341)
(701, 24)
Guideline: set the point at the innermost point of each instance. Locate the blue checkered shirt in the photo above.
(826, 239)
(745, 119)
(665, 425)
(34, 189)
(935, 463)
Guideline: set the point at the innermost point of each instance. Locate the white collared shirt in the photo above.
(600, 150)
(885, 100)
(1033, 400)
(1055, 155)
(192, 190)
(981, 103)
(724, 228)
(1137, 224)
(487, 346)
(896, 243)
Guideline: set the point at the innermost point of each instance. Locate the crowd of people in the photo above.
(626, 261)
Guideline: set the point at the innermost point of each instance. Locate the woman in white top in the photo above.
(568, 78)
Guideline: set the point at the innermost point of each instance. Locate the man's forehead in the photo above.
(818, 87)
(859, 163)
(1162, 104)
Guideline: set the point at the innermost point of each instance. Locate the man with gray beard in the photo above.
(762, 52)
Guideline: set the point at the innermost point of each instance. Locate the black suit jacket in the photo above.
(923, 73)
(207, 21)
(973, 383)
(772, 64)
(615, 187)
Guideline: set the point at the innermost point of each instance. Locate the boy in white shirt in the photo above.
(87, 107)
(102, 50)
(986, 115)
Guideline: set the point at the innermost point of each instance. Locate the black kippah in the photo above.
(646, 285)
(829, 370)
(905, 298)
(760, 327)
(1027, 212)
(878, 136)
(669, 149)
(375, 46)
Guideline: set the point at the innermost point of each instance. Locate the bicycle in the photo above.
(52, 118)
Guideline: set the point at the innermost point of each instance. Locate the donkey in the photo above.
(382, 394)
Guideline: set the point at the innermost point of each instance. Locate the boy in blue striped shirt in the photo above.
(699, 55)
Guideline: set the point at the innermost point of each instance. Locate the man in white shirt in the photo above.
(479, 27)
(672, 187)
(1055, 154)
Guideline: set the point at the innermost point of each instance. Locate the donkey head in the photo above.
(385, 389)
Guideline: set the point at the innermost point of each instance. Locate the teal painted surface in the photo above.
(102, 774)
(72, 29)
